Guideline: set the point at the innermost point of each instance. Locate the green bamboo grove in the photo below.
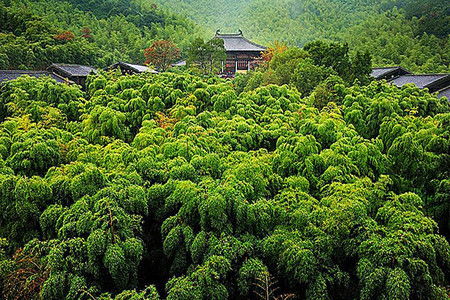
(174, 186)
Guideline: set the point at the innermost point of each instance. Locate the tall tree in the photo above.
(206, 55)
(161, 54)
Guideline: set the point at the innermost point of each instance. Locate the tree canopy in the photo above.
(34, 34)
(303, 179)
(411, 33)
(176, 186)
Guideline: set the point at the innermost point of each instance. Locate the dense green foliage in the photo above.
(300, 180)
(180, 187)
(267, 20)
(36, 33)
(206, 56)
(415, 37)
(392, 39)
(315, 69)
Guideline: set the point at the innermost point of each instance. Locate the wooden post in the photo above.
(236, 66)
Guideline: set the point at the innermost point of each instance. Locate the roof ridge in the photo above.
(229, 34)
(387, 67)
(253, 43)
(444, 88)
(430, 74)
(240, 33)
(24, 71)
(71, 65)
(132, 64)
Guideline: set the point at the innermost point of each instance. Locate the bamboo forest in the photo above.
(211, 149)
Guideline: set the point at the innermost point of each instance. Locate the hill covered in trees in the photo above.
(182, 187)
(34, 34)
(303, 179)
(413, 33)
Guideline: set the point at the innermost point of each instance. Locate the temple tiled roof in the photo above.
(70, 70)
(444, 93)
(132, 67)
(6, 75)
(388, 72)
(237, 42)
(422, 80)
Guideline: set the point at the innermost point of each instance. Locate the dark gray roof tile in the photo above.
(71, 70)
(133, 67)
(6, 75)
(444, 93)
(237, 42)
(388, 72)
(421, 81)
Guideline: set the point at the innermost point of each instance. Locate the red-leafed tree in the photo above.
(161, 54)
(270, 52)
(86, 33)
(65, 36)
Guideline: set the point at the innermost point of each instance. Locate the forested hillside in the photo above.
(267, 20)
(36, 33)
(302, 179)
(413, 33)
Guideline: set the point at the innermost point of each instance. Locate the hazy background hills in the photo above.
(300, 21)
(411, 33)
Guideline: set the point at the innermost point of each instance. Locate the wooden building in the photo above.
(75, 73)
(130, 69)
(242, 54)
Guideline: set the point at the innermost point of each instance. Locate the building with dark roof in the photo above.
(433, 82)
(130, 69)
(445, 92)
(180, 63)
(75, 73)
(388, 73)
(242, 54)
(6, 75)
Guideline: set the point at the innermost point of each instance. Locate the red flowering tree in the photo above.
(65, 36)
(86, 33)
(161, 54)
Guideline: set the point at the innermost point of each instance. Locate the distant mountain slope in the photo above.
(299, 21)
(267, 20)
(413, 33)
(409, 32)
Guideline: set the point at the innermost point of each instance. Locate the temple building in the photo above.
(242, 54)
(398, 76)
(75, 73)
(7, 75)
(432, 82)
(130, 69)
(388, 73)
